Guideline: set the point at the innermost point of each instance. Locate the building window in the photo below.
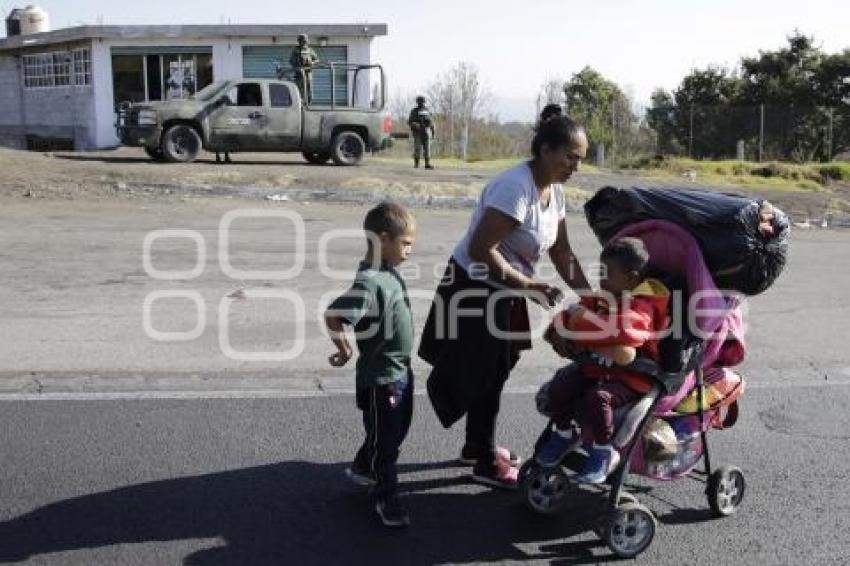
(57, 69)
(128, 78)
(62, 68)
(158, 76)
(38, 70)
(82, 67)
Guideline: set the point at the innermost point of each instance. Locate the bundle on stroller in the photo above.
(664, 434)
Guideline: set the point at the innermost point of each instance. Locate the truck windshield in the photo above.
(211, 91)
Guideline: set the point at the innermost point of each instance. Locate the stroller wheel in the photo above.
(630, 530)
(725, 490)
(545, 489)
(599, 526)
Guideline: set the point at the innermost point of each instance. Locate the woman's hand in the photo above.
(545, 295)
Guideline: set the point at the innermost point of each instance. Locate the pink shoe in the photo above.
(470, 454)
(499, 474)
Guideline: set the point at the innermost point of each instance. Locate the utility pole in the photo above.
(613, 135)
(830, 146)
(761, 133)
(691, 133)
(451, 123)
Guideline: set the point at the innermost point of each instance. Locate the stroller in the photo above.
(693, 392)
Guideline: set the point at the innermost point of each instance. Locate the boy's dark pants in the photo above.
(387, 412)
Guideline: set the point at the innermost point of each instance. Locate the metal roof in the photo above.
(80, 33)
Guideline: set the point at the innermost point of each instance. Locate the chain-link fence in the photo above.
(753, 133)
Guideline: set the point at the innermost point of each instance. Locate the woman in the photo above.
(519, 217)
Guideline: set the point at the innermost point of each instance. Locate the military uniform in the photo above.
(422, 129)
(302, 60)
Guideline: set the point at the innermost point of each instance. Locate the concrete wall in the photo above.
(359, 52)
(227, 59)
(60, 112)
(11, 133)
(63, 112)
(104, 106)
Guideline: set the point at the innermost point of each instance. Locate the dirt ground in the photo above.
(127, 173)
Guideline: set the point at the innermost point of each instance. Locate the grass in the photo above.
(774, 174)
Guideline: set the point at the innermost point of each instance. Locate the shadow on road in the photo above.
(305, 513)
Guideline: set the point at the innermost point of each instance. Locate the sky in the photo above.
(641, 45)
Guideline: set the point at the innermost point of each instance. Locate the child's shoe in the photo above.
(559, 444)
(602, 460)
(392, 512)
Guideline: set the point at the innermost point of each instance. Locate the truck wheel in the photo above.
(181, 143)
(155, 153)
(316, 157)
(348, 148)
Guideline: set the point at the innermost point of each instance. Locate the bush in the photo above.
(835, 171)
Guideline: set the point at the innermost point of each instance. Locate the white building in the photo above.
(61, 88)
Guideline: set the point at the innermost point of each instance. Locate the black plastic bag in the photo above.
(725, 225)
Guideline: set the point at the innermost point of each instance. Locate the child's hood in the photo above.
(651, 288)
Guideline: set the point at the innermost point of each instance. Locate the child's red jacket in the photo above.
(635, 321)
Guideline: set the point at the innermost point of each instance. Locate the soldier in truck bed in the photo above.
(422, 129)
(302, 60)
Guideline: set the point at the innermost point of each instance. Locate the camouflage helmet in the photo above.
(420, 99)
(302, 37)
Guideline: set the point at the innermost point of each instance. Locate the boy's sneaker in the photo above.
(470, 453)
(391, 512)
(363, 478)
(602, 460)
(499, 474)
(559, 444)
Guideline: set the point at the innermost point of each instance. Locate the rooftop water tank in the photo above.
(33, 20)
(13, 23)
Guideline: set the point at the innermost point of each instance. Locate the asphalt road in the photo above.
(260, 481)
(75, 288)
(118, 448)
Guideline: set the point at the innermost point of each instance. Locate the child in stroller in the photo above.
(678, 404)
(614, 327)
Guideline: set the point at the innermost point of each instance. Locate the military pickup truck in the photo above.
(253, 115)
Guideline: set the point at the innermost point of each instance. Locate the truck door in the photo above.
(238, 122)
(283, 131)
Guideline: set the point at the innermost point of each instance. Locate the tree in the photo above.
(602, 108)
(399, 105)
(785, 81)
(707, 122)
(551, 92)
(833, 80)
(661, 118)
(458, 97)
(803, 93)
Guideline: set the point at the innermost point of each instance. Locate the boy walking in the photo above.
(378, 309)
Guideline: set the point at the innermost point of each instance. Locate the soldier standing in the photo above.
(303, 59)
(422, 130)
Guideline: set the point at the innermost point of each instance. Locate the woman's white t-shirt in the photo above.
(514, 193)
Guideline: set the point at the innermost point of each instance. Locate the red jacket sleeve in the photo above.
(561, 320)
(632, 326)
